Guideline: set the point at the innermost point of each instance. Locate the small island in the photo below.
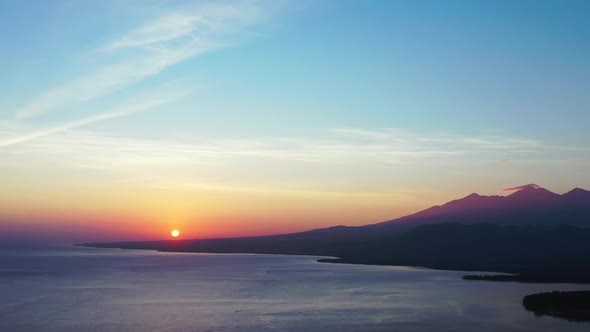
(493, 277)
(574, 305)
(537, 277)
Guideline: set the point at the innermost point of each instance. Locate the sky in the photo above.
(122, 120)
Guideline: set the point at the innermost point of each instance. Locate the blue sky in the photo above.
(414, 101)
(515, 66)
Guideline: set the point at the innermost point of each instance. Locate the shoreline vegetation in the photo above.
(573, 305)
(542, 279)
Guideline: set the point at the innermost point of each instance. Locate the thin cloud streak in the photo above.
(124, 111)
(255, 165)
(158, 45)
(387, 147)
(515, 189)
(204, 21)
(266, 190)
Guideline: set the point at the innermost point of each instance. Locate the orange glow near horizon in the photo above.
(151, 214)
(175, 233)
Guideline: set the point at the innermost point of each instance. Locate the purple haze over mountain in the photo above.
(528, 204)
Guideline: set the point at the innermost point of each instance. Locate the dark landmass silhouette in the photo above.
(573, 306)
(533, 234)
(529, 204)
(529, 253)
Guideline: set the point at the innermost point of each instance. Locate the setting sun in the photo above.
(175, 233)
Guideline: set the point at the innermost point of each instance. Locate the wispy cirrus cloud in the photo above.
(281, 164)
(519, 188)
(209, 21)
(157, 45)
(112, 114)
(17, 133)
(378, 147)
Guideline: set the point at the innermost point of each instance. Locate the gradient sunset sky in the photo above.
(120, 120)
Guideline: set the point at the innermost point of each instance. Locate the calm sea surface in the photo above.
(83, 290)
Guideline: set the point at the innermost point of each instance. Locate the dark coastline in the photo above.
(500, 274)
(573, 306)
(565, 305)
(542, 279)
(505, 253)
(508, 253)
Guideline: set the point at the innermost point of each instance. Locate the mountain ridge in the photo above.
(528, 204)
(476, 233)
(534, 205)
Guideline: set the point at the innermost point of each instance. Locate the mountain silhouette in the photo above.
(528, 204)
(478, 233)
(532, 194)
(577, 196)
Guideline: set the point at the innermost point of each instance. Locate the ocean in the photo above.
(83, 289)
